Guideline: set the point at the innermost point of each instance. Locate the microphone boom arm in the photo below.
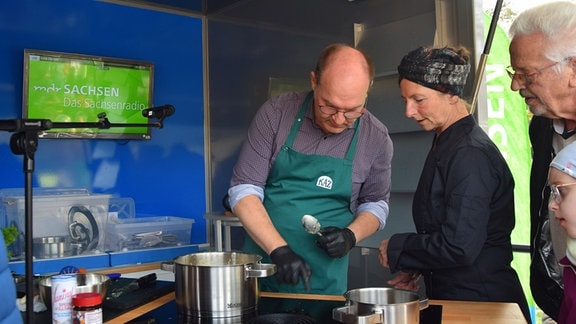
(22, 125)
(24, 142)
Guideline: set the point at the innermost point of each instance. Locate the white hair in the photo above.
(556, 21)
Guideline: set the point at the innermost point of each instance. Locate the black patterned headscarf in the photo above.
(440, 69)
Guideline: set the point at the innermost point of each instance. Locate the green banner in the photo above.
(508, 119)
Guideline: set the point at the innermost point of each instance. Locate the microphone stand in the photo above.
(24, 142)
(484, 56)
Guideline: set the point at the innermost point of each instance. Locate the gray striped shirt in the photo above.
(268, 131)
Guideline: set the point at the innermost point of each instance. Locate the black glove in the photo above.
(290, 266)
(336, 241)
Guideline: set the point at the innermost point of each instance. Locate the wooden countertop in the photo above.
(453, 312)
(479, 312)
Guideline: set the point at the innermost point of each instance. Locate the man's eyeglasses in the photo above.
(555, 191)
(350, 115)
(528, 78)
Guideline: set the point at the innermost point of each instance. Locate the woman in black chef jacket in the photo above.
(463, 207)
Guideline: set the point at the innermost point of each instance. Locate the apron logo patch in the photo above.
(324, 182)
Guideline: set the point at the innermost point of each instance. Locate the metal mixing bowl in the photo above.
(85, 282)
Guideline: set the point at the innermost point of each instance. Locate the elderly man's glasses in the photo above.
(555, 191)
(350, 115)
(527, 78)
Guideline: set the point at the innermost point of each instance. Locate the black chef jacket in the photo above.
(463, 210)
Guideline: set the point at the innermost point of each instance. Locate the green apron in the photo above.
(318, 185)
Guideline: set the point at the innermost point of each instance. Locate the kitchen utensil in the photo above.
(51, 247)
(217, 284)
(380, 305)
(134, 285)
(83, 229)
(311, 224)
(85, 282)
(149, 240)
(141, 296)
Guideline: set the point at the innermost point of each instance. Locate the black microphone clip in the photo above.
(159, 112)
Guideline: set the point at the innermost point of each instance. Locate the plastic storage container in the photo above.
(147, 232)
(64, 223)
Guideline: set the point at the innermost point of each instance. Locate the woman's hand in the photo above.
(406, 281)
(383, 255)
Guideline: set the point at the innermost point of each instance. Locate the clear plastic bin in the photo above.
(147, 232)
(72, 222)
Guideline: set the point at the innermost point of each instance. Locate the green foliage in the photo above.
(10, 234)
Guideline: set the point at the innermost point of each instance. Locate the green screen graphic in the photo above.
(72, 88)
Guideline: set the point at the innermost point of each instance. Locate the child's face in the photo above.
(565, 211)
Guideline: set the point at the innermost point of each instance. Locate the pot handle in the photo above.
(346, 315)
(423, 303)
(258, 270)
(167, 265)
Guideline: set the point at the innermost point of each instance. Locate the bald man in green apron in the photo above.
(320, 153)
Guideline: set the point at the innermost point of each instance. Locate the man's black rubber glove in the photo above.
(336, 241)
(290, 266)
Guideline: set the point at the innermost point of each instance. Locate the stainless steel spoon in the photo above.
(311, 224)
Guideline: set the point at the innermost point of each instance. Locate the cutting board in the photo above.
(137, 297)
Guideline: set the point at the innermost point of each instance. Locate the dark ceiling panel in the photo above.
(193, 6)
(309, 16)
(321, 16)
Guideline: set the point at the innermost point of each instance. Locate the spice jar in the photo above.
(87, 308)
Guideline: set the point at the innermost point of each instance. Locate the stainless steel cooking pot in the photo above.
(380, 305)
(218, 284)
(51, 247)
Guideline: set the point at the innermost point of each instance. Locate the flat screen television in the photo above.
(76, 88)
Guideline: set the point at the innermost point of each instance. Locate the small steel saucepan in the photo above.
(380, 305)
